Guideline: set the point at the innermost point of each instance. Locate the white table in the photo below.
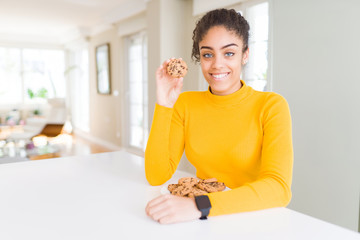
(103, 196)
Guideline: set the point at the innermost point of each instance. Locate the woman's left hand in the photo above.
(172, 209)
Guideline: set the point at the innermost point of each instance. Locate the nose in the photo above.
(217, 62)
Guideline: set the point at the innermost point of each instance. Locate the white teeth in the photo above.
(218, 76)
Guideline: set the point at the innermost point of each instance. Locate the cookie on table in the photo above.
(188, 181)
(196, 192)
(177, 191)
(177, 68)
(209, 180)
(192, 187)
(219, 186)
(172, 187)
(181, 191)
(211, 186)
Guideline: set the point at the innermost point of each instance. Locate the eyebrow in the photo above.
(226, 46)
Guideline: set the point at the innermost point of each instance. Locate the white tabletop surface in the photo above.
(103, 196)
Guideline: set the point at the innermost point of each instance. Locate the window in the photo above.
(255, 71)
(137, 91)
(10, 76)
(78, 77)
(31, 75)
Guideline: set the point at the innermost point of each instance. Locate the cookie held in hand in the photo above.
(177, 68)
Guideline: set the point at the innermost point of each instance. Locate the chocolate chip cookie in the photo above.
(191, 187)
(211, 186)
(177, 68)
(188, 181)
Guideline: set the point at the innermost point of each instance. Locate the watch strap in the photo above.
(204, 205)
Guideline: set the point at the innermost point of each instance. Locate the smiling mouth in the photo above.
(219, 76)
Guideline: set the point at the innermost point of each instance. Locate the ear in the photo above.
(245, 57)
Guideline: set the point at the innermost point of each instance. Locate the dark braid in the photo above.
(229, 18)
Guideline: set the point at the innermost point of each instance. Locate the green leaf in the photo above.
(30, 93)
(42, 93)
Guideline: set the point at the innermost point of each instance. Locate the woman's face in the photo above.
(221, 59)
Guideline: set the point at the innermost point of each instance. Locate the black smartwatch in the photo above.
(204, 205)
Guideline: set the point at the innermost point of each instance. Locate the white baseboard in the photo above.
(96, 140)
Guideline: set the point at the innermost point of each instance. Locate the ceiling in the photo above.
(59, 21)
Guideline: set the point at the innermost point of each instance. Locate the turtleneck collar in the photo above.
(231, 99)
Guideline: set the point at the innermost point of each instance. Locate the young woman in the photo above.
(231, 132)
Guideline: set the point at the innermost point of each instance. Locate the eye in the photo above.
(207, 55)
(229, 54)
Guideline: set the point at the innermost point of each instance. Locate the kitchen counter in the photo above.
(103, 196)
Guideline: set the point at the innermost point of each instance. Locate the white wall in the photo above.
(316, 67)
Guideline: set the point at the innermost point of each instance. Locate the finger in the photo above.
(167, 219)
(148, 207)
(158, 200)
(158, 211)
(160, 71)
(150, 204)
(166, 62)
(156, 204)
(163, 213)
(179, 85)
(180, 80)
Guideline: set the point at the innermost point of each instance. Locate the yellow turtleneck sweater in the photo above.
(242, 139)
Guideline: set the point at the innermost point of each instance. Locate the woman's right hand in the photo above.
(168, 88)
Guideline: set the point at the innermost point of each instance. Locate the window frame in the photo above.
(243, 8)
(126, 106)
(77, 74)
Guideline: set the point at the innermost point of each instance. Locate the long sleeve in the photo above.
(165, 145)
(272, 186)
(243, 139)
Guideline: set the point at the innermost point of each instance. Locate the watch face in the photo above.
(203, 202)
